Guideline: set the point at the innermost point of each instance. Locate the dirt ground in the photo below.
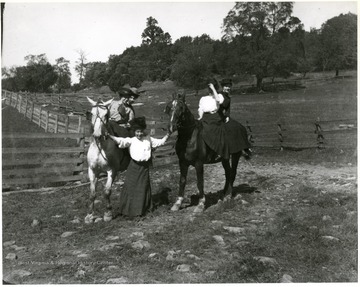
(243, 240)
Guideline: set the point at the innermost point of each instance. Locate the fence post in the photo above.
(80, 121)
(47, 121)
(16, 100)
(280, 135)
(66, 124)
(320, 137)
(32, 111)
(56, 123)
(40, 116)
(26, 104)
(20, 100)
(82, 153)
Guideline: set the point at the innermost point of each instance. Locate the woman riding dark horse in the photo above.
(192, 148)
(221, 133)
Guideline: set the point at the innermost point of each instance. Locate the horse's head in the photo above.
(99, 116)
(177, 111)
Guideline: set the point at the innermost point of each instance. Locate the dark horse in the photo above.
(192, 150)
(104, 155)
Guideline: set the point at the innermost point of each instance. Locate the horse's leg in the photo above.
(199, 166)
(183, 174)
(111, 174)
(227, 188)
(93, 181)
(234, 164)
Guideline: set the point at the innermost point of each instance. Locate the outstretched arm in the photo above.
(122, 142)
(159, 142)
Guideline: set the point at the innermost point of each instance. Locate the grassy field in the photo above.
(294, 217)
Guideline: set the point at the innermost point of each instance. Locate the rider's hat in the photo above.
(128, 92)
(138, 123)
(226, 82)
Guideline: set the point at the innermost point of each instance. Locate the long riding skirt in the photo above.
(214, 134)
(236, 136)
(135, 198)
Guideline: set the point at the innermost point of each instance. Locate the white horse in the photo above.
(103, 156)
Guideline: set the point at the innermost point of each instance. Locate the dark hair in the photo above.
(138, 123)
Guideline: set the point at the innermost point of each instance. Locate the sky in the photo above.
(62, 29)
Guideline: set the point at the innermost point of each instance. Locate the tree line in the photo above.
(262, 39)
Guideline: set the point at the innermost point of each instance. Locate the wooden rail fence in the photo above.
(340, 133)
(43, 164)
(48, 120)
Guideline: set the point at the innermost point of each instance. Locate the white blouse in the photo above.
(208, 104)
(140, 150)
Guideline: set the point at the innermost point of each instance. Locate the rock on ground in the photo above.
(183, 268)
(67, 234)
(140, 245)
(120, 280)
(267, 261)
(286, 278)
(234, 229)
(219, 239)
(11, 256)
(16, 274)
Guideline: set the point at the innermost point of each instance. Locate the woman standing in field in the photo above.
(135, 199)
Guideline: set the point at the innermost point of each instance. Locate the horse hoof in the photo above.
(175, 207)
(89, 219)
(108, 216)
(199, 208)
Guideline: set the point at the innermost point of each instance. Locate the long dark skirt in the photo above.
(135, 198)
(214, 134)
(236, 136)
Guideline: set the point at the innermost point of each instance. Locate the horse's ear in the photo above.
(92, 102)
(108, 102)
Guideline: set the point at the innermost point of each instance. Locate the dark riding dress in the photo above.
(213, 129)
(224, 138)
(135, 198)
(235, 133)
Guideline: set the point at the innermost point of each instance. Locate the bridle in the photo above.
(97, 116)
(181, 115)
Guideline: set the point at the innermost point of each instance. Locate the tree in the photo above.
(62, 70)
(36, 59)
(256, 23)
(153, 34)
(193, 66)
(37, 76)
(96, 74)
(339, 42)
(80, 67)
